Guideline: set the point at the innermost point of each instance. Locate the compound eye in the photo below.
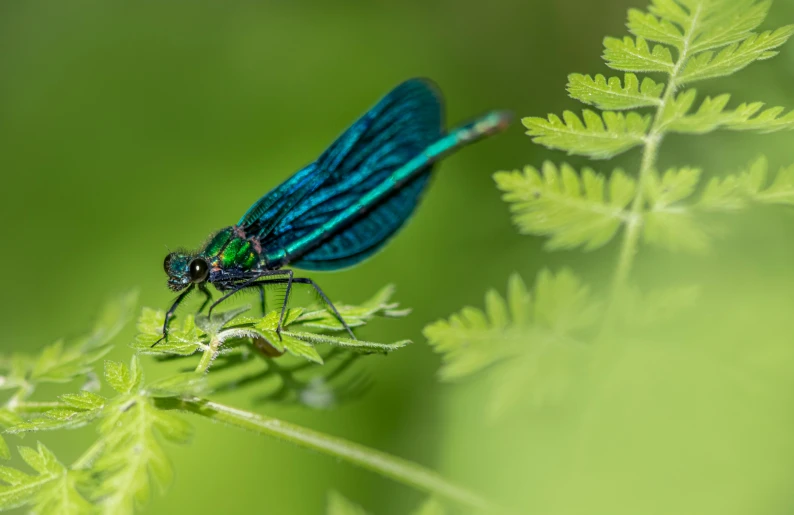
(167, 263)
(199, 271)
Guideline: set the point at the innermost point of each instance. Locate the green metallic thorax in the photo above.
(229, 248)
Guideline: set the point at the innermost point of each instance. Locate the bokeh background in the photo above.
(127, 128)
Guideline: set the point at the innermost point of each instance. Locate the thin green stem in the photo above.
(398, 469)
(628, 249)
(208, 356)
(653, 140)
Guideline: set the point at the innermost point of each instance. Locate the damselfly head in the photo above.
(184, 269)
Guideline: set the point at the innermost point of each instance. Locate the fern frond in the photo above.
(756, 185)
(529, 343)
(612, 95)
(765, 122)
(712, 115)
(723, 194)
(667, 223)
(128, 457)
(575, 210)
(62, 361)
(677, 108)
(673, 186)
(731, 22)
(651, 28)
(599, 137)
(735, 192)
(630, 55)
(734, 57)
(710, 23)
(131, 458)
(52, 490)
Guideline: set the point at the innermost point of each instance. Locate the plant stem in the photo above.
(208, 356)
(650, 151)
(628, 249)
(395, 468)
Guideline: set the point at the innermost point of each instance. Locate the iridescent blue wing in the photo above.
(346, 236)
(397, 129)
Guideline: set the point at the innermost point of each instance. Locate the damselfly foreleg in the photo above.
(170, 313)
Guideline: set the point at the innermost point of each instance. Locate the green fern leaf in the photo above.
(52, 490)
(130, 457)
(122, 378)
(708, 65)
(667, 223)
(736, 20)
(673, 186)
(675, 229)
(734, 192)
(184, 338)
(756, 184)
(596, 137)
(712, 115)
(632, 55)
(724, 194)
(708, 23)
(677, 108)
(62, 362)
(650, 27)
(672, 11)
(765, 122)
(612, 95)
(574, 210)
(517, 338)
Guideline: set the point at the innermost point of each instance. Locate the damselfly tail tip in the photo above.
(499, 120)
(491, 123)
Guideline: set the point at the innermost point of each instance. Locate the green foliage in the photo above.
(610, 94)
(117, 472)
(736, 56)
(596, 136)
(135, 417)
(673, 220)
(584, 209)
(533, 346)
(753, 184)
(62, 362)
(529, 343)
(51, 490)
(690, 40)
(712, 115)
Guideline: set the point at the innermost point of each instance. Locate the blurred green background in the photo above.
(127, 128)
